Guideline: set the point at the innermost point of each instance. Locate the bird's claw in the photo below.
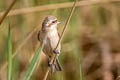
(51, 66)
(56, 51)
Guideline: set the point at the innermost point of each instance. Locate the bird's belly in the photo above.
(47, 50)
(50, 45)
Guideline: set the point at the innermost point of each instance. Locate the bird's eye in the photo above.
(54, 21)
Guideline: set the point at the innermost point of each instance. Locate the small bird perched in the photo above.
(50, 36)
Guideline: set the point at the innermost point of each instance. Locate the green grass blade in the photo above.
(9, 54)
(32, 65)
(81, 74)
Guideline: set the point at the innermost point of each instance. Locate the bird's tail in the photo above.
(56, 66)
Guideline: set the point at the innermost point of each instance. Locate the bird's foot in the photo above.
(51, 66)
(56, 51)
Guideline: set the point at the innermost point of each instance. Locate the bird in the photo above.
(49, 36)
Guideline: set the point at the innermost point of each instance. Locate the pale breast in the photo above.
(51, 41)
(54, 38)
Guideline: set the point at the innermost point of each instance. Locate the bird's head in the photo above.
(50, 22)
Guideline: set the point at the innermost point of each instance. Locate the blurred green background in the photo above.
(90, 47)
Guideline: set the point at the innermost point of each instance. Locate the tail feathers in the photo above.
(56, 66)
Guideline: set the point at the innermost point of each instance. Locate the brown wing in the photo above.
(38, 36)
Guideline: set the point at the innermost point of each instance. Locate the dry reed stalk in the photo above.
(18, 49)
(55, 6)
(61, 36)
(7, 11)
(37, 63)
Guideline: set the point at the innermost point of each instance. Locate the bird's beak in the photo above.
(58, 22)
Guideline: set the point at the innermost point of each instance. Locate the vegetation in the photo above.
(90, 46)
